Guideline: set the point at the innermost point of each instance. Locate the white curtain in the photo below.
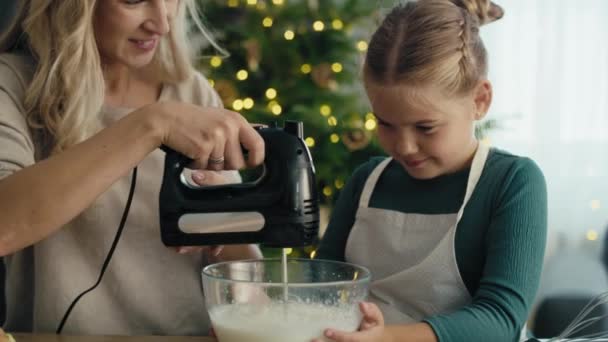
(549, 68)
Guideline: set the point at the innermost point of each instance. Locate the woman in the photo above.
(97, 87)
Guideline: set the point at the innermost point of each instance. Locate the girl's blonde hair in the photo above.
(431, 42)
(67, 89)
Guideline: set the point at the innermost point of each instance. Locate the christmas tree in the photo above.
(298, 60)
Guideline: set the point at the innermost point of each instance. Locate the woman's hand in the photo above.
(215, 254)
(209, 178)
(205, 134)
(206, 178)
(370, 330)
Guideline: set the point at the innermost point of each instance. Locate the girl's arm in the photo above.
(515, 244)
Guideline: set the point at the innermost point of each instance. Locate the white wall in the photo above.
(549, 67)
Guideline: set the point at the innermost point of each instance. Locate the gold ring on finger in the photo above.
(219, 160)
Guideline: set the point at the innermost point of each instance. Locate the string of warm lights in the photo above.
(289, 34)
(592, 234)
(278, 23)
(271, 94)
(276, 109)
(274, 106)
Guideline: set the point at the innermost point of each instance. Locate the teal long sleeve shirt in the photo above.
(499, 244)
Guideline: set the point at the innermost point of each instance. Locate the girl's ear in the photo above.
(482, 95)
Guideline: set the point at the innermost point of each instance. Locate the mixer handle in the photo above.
(181, 161)
(178, 160)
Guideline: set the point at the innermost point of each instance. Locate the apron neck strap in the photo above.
(479, 160)
(370, 183)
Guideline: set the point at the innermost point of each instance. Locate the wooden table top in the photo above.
(64, 338)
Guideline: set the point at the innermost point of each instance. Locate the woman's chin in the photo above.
(140, 63)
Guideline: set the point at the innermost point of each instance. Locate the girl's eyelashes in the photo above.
(382, 122)
(426, 129)
(423, 127)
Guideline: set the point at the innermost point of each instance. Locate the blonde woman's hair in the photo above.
(67, 90)
(431, 42)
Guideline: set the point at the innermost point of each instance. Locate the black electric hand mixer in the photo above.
(280, 209)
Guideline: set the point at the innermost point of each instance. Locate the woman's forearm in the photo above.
(36, 201)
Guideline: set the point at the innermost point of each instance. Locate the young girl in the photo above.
(96, 88)
(453, 231)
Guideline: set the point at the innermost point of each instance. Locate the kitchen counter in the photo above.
(65, 338)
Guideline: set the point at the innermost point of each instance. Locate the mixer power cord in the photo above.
(125, 214)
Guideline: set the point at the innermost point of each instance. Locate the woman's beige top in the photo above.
(148, 288)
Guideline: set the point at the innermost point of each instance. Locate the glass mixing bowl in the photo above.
(247, 300)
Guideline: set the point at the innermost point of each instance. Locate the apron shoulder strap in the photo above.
(370, 183)
(479, 161)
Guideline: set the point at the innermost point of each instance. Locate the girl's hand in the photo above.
(370, 330)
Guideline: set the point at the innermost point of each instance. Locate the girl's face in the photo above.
(428, 133)
(128, 31)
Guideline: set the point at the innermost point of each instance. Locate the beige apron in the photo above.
(412, 257)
